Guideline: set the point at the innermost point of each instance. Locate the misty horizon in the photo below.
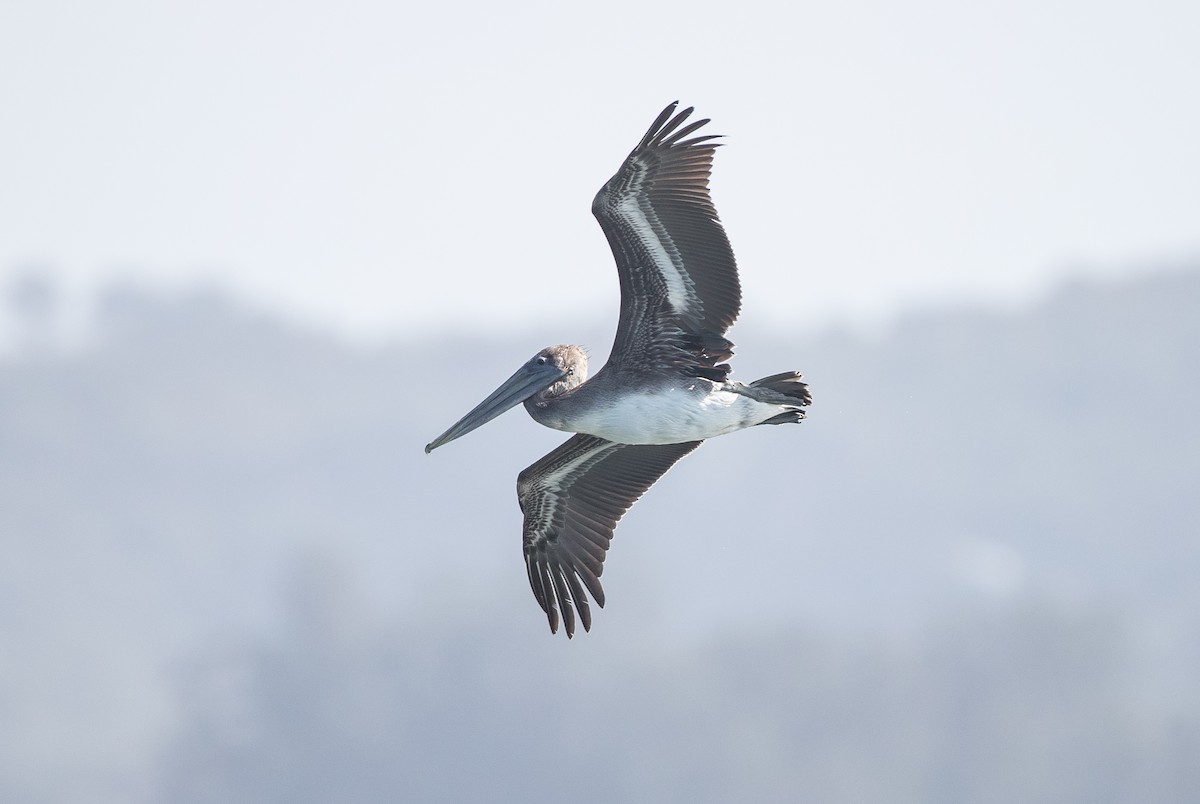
(233, 574)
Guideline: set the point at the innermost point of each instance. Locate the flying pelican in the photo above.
(665, 387)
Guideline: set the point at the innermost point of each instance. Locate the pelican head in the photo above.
(550, 373)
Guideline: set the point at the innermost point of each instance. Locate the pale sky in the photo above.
(387, 166)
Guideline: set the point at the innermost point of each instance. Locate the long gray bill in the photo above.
(528, 380)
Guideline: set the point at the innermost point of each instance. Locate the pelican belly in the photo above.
(669, 415)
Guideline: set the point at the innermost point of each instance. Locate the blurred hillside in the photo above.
(231, 574)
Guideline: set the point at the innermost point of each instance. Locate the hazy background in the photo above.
(252, 257)
(362, 164)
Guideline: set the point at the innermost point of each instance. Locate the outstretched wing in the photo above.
(679, 282)
(572, 500)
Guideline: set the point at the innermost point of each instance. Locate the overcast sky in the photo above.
(384, 165)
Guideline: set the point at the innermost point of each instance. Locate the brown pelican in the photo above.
(665, 387)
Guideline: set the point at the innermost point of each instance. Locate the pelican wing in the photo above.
(572, 500)
(679, 282)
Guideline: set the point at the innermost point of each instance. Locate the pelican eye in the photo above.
(541, 360)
